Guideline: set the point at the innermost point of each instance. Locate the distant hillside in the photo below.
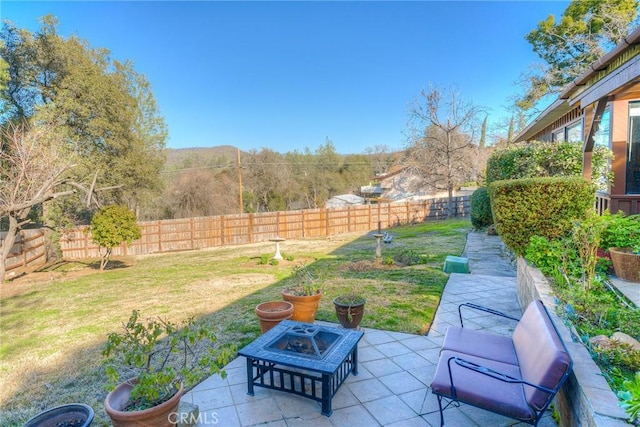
(201, 155)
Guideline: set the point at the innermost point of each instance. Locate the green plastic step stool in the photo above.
(456, 264)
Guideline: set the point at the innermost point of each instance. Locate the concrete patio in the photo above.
(395, 369)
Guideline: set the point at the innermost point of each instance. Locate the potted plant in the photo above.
(151, 362)
(70, 415)
(622, 237)
(271, 313)
(304, 294)
(349, 309)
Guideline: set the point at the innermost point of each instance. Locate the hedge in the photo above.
(540, 159)
(544, 207)
(481, 208)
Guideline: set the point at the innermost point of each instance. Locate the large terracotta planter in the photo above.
(626, 264)
(73, 414)
(349, 313)
(163, 415)
(273, 312)
(305, 307)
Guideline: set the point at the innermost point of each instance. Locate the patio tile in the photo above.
(392, 349)
(239, 393)
(401, 382)
(410, 361)
(369, 353)
(368, 390)
(419, 342)
(237, 375)
(309, 420)
(375, 337)
(420, 401)
(411, 422)
(381, 367)
(353, 416)
(251, 413)
(296, 406)
(227, 417)
(389, 410)
(214, 381)
(343, 399)
(212, 398)
(363, 374)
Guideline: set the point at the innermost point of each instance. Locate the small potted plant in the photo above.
(69, 415)
(304, 294)
(622, 238)
(271, 313)
(349, 309)
(151, 362)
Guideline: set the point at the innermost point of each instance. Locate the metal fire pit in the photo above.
(304, 359)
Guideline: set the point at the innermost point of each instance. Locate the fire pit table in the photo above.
(304, 359)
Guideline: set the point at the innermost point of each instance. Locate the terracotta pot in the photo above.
(349, 315)
(76, 414)
(305, 307)
(626, 264)
(273, 312)
(163, 415)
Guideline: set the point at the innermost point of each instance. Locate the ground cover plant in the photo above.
(54, 324)
(590, 304)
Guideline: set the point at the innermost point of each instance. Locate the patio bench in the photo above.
(516, 376)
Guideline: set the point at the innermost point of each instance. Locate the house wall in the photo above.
(619, 134)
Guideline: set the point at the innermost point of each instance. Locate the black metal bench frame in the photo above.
(460, 361)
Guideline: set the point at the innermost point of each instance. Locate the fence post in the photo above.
(159, 235)
(277, 223)
(222, 230)
(304, 224)
(250, 228)
(191, 232)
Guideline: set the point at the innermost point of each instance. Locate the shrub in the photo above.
(622, 231)
(111, 226)
(481, 208)
(544, 207)
(541, 159)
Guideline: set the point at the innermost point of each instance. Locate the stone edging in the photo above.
(585, 399)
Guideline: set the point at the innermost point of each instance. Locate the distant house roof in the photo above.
(393, 171)
(344, 200)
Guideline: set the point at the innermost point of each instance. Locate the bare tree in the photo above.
(33, 169)
(442, 128)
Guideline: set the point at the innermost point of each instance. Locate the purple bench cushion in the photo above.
(541, 355)
(480, 390)
(482, 344)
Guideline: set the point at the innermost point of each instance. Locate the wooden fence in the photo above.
(29, 250)
(205, 232)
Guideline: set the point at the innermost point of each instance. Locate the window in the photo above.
(558, 136)
(574, 132)
(633, 150)
(602, 137)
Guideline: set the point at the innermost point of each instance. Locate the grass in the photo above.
(53, 324)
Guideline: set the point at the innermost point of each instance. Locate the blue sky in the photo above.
(289, 75)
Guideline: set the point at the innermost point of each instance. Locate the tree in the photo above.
(103, 110)
(586, 30)
(442, 129)
(111, 226)
(34, 169)
(483, 133)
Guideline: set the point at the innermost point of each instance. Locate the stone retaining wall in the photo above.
(585, 399)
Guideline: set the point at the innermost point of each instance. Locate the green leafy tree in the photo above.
(103, 110)
(584, 32)
(111, 226)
